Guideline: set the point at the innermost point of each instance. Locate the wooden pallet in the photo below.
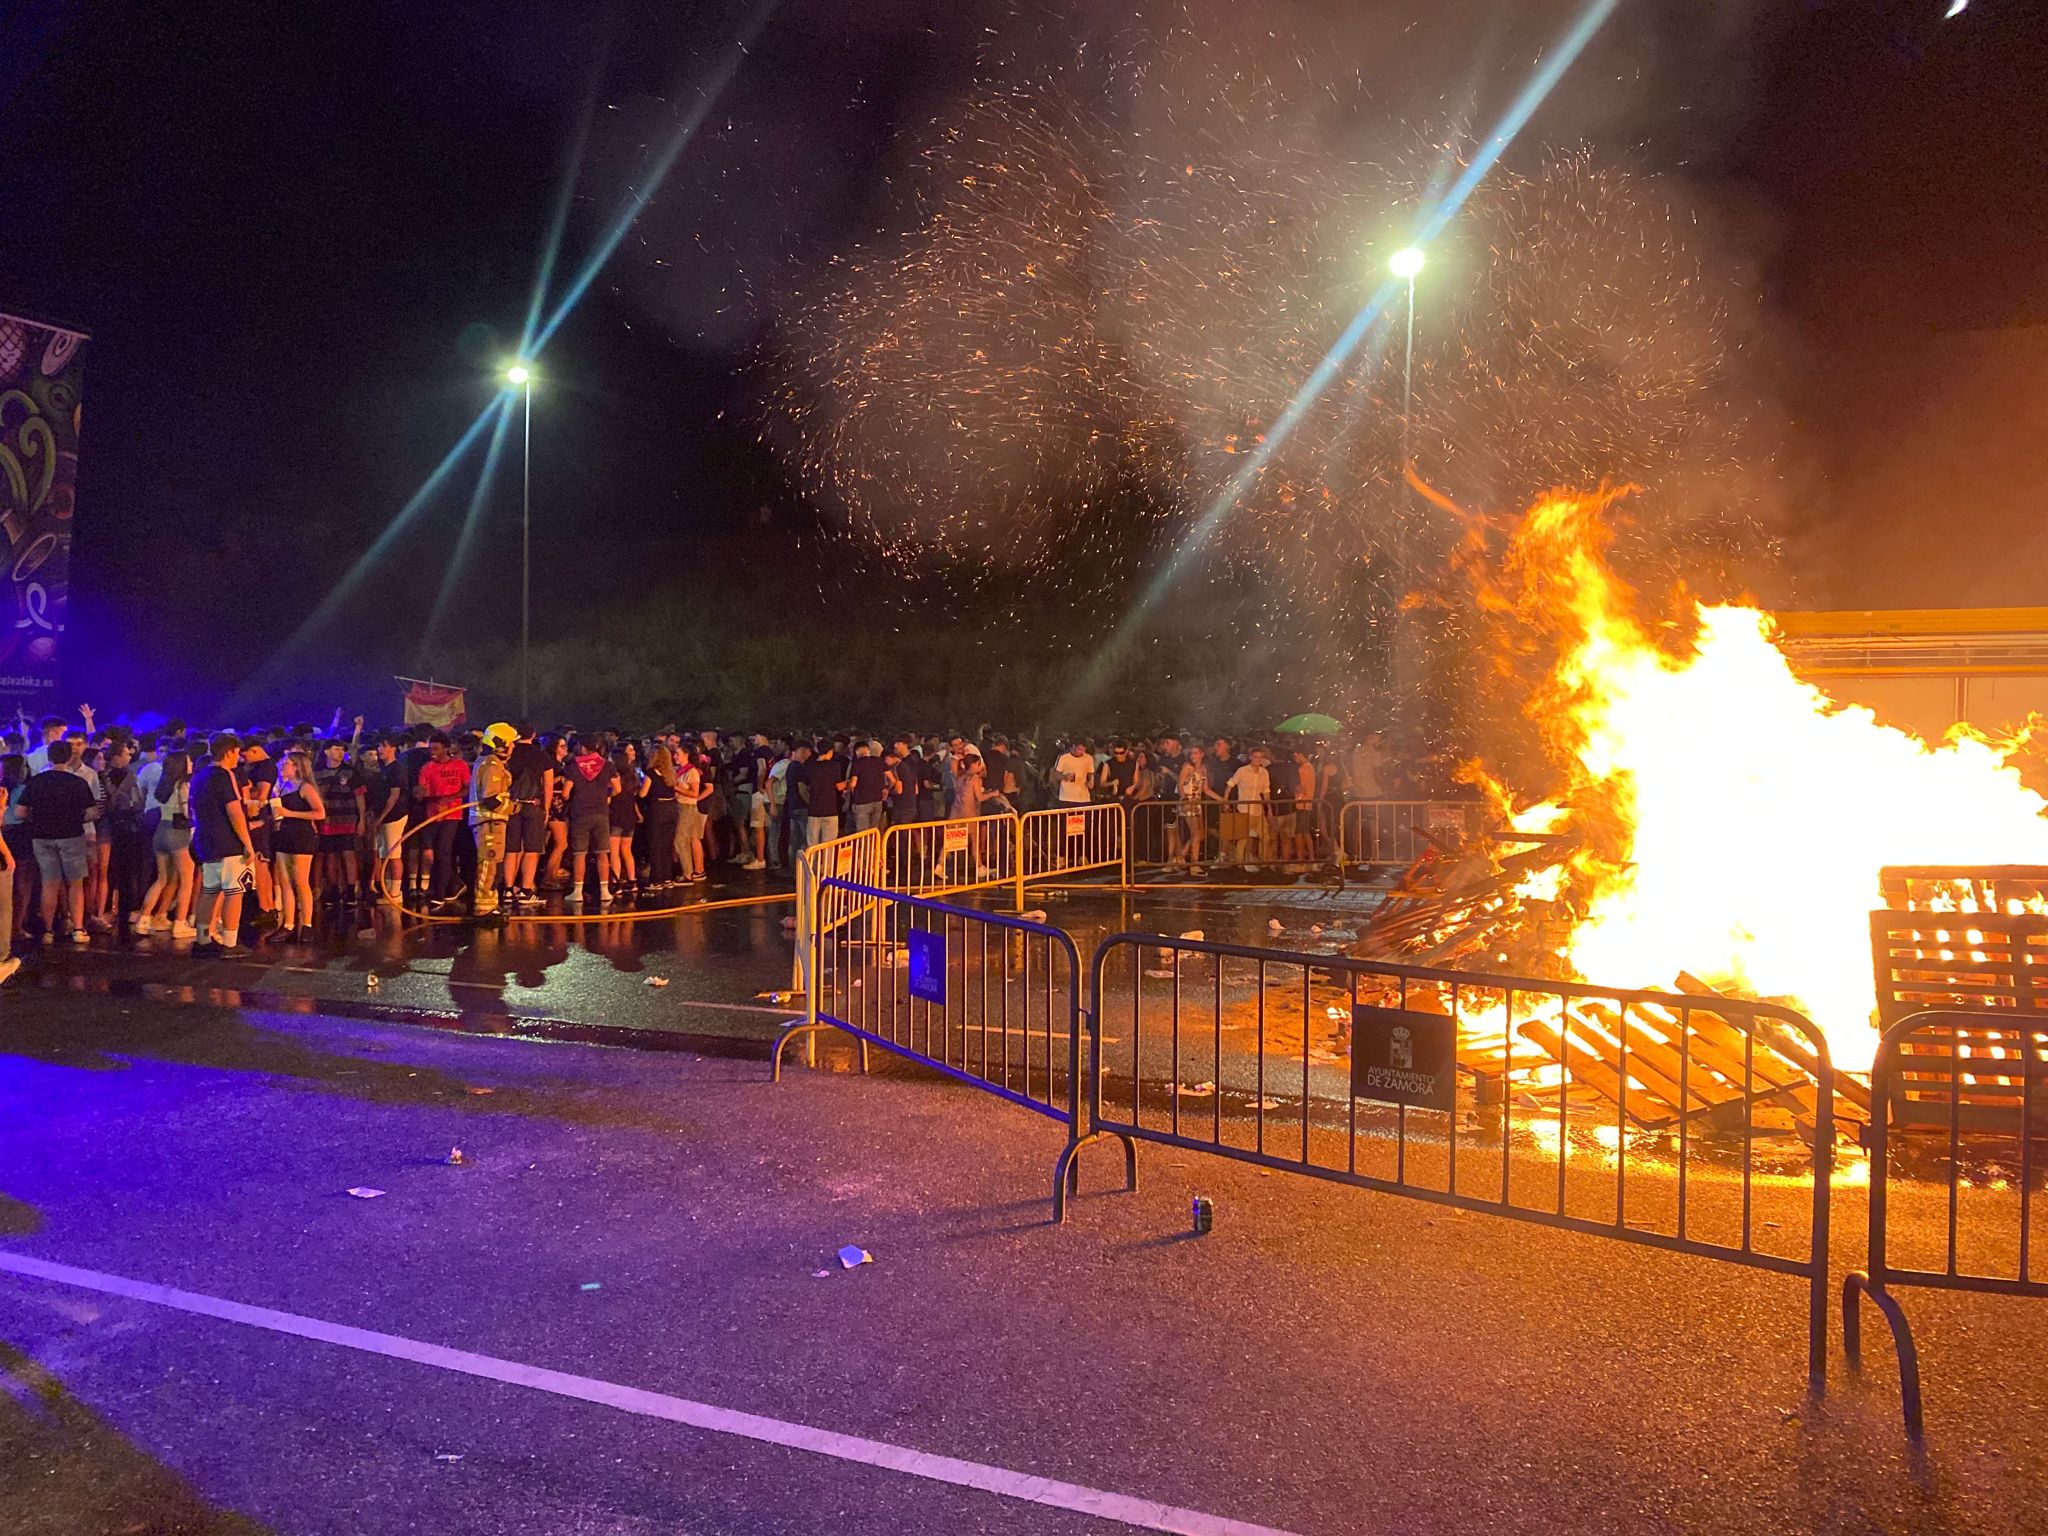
(1987, 887)
(1985, 1066)
(1699, 1065)
(1976, 960)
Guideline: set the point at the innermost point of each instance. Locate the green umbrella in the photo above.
(1311, 725)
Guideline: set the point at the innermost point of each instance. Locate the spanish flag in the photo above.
(440, 705)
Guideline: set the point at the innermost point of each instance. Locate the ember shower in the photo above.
(1089, 314)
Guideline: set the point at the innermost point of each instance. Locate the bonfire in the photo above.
(1721, 825)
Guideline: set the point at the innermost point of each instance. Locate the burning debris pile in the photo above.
(1719, 829)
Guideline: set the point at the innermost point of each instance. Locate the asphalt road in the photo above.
(1325, 1361)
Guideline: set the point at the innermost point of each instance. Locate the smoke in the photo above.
(1021, 285)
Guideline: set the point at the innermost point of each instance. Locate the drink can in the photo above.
(1205, 1214)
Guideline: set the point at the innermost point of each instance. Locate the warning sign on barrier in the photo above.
(1077, 824)
(1399, 1057)
(928, 965)
(842, 861)
(955, 840)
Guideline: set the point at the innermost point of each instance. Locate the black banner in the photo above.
(1399, 1057)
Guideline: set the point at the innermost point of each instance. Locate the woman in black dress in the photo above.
(663, 816)
(299, 812)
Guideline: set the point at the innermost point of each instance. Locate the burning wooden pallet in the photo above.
(1455, 902)
(1472, 908)
(1968, 940)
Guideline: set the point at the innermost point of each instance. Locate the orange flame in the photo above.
(1734, 818)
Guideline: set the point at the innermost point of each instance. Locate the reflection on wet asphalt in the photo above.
(701, 973)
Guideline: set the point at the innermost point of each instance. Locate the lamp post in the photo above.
(1407, 264)
(520, 377)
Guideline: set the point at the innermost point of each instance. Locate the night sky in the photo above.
(304, 237)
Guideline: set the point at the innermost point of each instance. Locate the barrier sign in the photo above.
(928, 964)
(955, 840)
(1077, 824)
(1399, 1057)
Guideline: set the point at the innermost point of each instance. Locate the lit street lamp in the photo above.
(520, 377)
(1407, 265)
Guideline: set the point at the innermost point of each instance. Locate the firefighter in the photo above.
(491, 792)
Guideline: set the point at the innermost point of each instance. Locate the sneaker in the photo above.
(99, 924)
(574, 898)
(49, 937)
(755, 864)
(206, 946)
(234, 951)
(80, 936)
(184, 931)
(142, 926)
(604, 895)
(8, 966)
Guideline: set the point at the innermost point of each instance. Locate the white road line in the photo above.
(1142, 1513)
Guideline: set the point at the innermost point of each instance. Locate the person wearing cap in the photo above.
(1118, 772)
(491, 808)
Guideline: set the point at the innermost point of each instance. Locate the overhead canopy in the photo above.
(1949, 641)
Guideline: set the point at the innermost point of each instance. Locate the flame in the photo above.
(1733, 818)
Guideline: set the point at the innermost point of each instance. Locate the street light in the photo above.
(520, 377)
(1407, 265)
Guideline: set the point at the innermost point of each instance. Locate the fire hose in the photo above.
(683, 909)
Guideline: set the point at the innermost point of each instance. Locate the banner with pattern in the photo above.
(40, 382)
(440, 705)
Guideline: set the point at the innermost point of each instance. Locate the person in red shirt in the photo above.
(440, 790)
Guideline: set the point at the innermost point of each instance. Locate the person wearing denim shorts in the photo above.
(58, 804)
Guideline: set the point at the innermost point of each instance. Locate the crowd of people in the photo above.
(203, 836)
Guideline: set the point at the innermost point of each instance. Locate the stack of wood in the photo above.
(1459, 908)
(1459, 904)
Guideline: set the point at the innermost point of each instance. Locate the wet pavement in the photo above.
(1326, 1361)
(592, 970)
(695, 973)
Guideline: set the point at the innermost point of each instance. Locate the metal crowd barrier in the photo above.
(1067, 840)
(936, 858)
(990, 1001)
(1955, 1076)
(1688, 1123)
(1284, 834)
(1402, 831)
(857, 858)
